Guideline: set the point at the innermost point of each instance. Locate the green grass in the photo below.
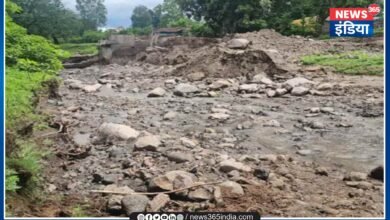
(81, 49)
(352, 63)
(78, 211)
(20, 95)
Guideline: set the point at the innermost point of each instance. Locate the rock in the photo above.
(148, 142)
(157, 92)
(200, 194)
(261, 173)
(74, 84)
(355, 176)
(299, 91)
(218, 196)
(92, 88)
(324, 86)
(232, 187)
(230, 164)
(161, 183)
(220, 84)
(220, 110)
(184, 89)
(359, 184)
(114, 203)
(169, 116)
(266, 81)
(234, 174)
(118, 131)
(172, 180)
(281, 91)
(272, 123)
(187, 142)
(179, 157)
(278, 183)
(196, 76)
(219, 116)
(270, 93)
(105, 179)
(304, 152)
(322, 171)
(158, 202)
(238, 43)
(268, 157)
(316, 125)
(315, 110)
(134, 203)
(298, 81)
(248, 88)
(377, 173)
(328, 110)
(170, 83)
(258, 77)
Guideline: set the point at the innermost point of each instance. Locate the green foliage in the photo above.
(141, 17)
(354, 63)
(20, 89)
(47, 18)
(93, 13)
(26, 163)
(79, 211)
(138, 31)
(11, 180)
(195, 28)
(89, 37)
(23, 49)
(81, 49)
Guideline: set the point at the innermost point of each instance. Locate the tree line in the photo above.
(50, 19)
(220, 17)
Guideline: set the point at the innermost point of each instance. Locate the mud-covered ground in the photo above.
(270, 136)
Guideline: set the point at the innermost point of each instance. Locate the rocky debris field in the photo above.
(270, 136)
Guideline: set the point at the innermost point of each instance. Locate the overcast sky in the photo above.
(119, 11)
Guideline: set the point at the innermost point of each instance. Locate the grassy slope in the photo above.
(353, 63)
(81, 49)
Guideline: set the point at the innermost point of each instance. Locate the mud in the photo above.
(294, 138)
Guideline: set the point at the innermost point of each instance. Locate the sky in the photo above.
(119, 11)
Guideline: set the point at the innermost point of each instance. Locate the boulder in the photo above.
(134, 203)
(299, 91)
(230, 164)
(184, 89)
(123, 132)
(157, 92)
(238, 43)
(232, 188)
(148, 142)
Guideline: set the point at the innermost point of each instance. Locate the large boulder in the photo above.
(238, 43)
(184, 89)
(123, 132)
(148, 142)
(134, 203)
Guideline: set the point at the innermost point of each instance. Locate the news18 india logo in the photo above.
(352, 22)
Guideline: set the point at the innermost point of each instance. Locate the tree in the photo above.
(47, 18)
(142, 17)
(93, 13)
(228, 16)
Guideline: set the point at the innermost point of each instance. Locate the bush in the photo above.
(23, 50)
(89, 37)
